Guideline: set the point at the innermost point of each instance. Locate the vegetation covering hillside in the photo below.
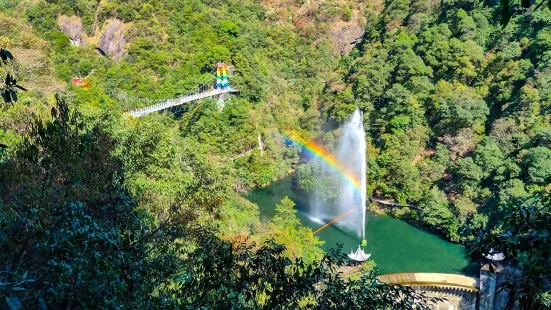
(35, 72)
(98, 210)
(101, 210)
(172, 48)
(457, 110)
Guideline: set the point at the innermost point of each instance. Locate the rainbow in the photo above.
(322, 153)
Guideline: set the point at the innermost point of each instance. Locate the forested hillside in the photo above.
(102, 210)
(457, 110)
(172, 47)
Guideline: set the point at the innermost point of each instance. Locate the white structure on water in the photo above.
(359, 255)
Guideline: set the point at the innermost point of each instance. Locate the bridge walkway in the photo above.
(179, 101)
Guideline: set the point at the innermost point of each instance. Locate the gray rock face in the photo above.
(72, 27)
(113, 39)
(344, 36)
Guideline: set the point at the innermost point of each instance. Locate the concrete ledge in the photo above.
(432, 279)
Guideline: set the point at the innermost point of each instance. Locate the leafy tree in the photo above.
(396, 14)
(538, 164)
(372, 73)
(497, 168)
(488, 155)
(69, 231)
(412, 70)
(465, 206)
(542, 137)
(228, 28)
(512, 191)
(219, 276)
(435, 209)
(457, 106)
(398, 101)
(466, 25)
(287, 229)
(8, 90)
(316, 179)
(468, 171)
(434, 48)
(510, 8)
(509, 135)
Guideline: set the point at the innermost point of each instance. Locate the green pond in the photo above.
(395, 245)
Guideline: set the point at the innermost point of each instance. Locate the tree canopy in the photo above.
(101, 210)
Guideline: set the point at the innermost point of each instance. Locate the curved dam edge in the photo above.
(432, 279)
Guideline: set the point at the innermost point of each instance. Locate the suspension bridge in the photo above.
(208, 90)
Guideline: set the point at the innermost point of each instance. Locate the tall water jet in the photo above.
(344, 173)
(351, 152)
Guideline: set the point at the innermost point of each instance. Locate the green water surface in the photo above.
(395, 245)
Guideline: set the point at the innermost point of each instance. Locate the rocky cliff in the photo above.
(110, 38)
(72, 27)
(341, 21)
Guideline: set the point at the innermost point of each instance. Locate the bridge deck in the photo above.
(179, 101)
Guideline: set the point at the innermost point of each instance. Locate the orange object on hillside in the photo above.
(81, 82)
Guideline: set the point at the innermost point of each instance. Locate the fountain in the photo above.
(349, 211)
(351, 151)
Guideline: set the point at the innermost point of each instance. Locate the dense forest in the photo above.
(99, 209)
(456, 109)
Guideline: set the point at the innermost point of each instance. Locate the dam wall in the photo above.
(460, 292)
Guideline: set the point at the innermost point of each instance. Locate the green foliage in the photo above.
(454, 108)
(9, 88)
(69, 230)
(227, 28)
(238, 217)
(60, 252)
(435, 209)
(538, 164)
(172, 49)
(509, 8)
(287, 229)
(457, 106)
(221, 276)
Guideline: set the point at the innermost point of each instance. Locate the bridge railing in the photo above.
(179, 101)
